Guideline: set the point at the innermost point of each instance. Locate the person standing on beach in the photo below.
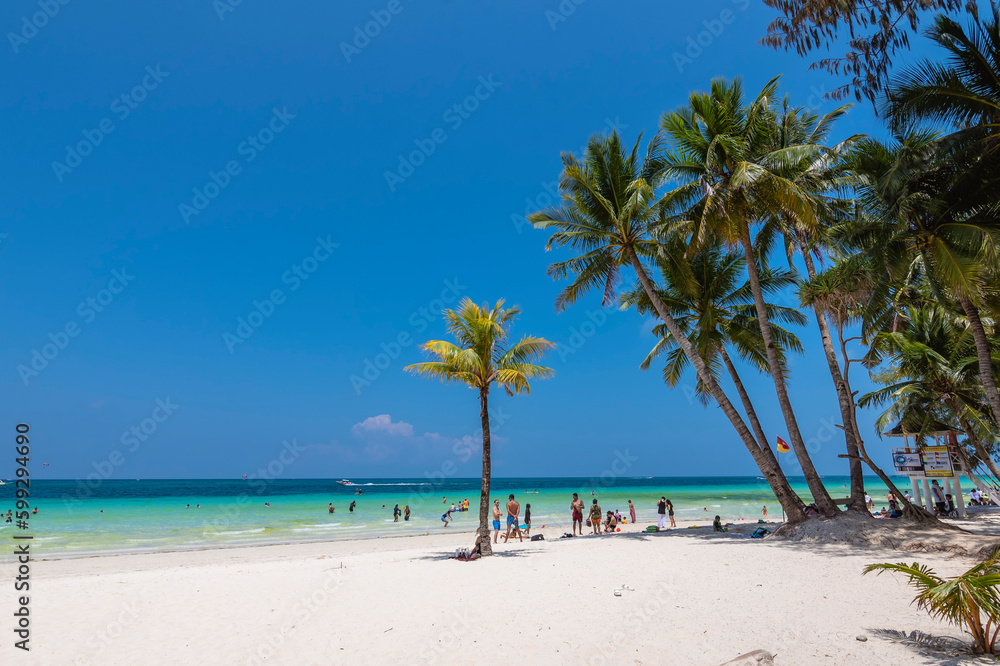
(513, 512)
(395, 514)
(496, 520)
(670, 512)
(595, 516)
(631, 511)
(527, 519)
(765, 511)
(661, 514)
(576, 506)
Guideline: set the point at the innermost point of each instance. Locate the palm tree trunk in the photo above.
(790, 502)
(820, 495)
(484, 493)
(752, 414)
(983, 351)
(910, 510)
(843, 395)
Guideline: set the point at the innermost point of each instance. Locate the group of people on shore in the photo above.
(599, 520)
(513, 519)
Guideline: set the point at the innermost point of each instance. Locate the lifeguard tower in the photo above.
(934, 455)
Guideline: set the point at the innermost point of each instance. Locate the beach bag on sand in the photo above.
(538, 537)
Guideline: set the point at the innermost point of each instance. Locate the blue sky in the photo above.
(173, 167)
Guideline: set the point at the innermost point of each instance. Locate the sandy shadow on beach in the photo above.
(944, 650)
(450, 554)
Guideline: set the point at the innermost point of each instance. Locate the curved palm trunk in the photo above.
(790, 502)
(820, 495)
(910, 510)
(983, 352)
(843, 395)
(752, 415)
(484, 492)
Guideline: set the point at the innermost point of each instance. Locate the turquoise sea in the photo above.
(116, 516)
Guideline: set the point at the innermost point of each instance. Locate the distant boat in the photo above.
(3, 483)
(345, 482)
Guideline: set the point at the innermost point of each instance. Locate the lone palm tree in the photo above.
(728, 156)
(484, 356)
(608, 214)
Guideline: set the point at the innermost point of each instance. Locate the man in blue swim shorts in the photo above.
(513, 511)
(496, 520)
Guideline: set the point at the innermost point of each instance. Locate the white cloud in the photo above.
(382, 424)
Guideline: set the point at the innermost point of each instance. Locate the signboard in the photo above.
(937, 461)
(908, 464)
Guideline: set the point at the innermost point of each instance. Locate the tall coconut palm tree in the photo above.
(607, 214)
(729, 160)
(927, 220)
(963, 90)
(843, 293)
(484, 356)
(822, 173)
(714, 307)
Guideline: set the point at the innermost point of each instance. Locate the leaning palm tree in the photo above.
(485, 356)
(607, 217)
(728, 157)
(821, 172)
(713, 305)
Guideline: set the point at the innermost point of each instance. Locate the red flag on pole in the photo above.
(783, 446)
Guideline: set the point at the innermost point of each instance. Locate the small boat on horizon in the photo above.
(345, 482)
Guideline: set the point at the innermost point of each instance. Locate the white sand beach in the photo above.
(699, 598)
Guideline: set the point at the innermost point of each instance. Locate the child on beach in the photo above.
(717, 525)
(445, 517)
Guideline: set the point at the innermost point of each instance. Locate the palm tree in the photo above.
(927, 221)
(822, 173)
(606, 216)
(970, 600)
(714, 307)
(842, 293)
(484, 356)
(964, 90)
(728, 157)
(933, 369)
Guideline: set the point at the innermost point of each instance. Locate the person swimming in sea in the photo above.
(350, 509)
(330, 508)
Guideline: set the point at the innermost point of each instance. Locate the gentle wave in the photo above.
(253, 531)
